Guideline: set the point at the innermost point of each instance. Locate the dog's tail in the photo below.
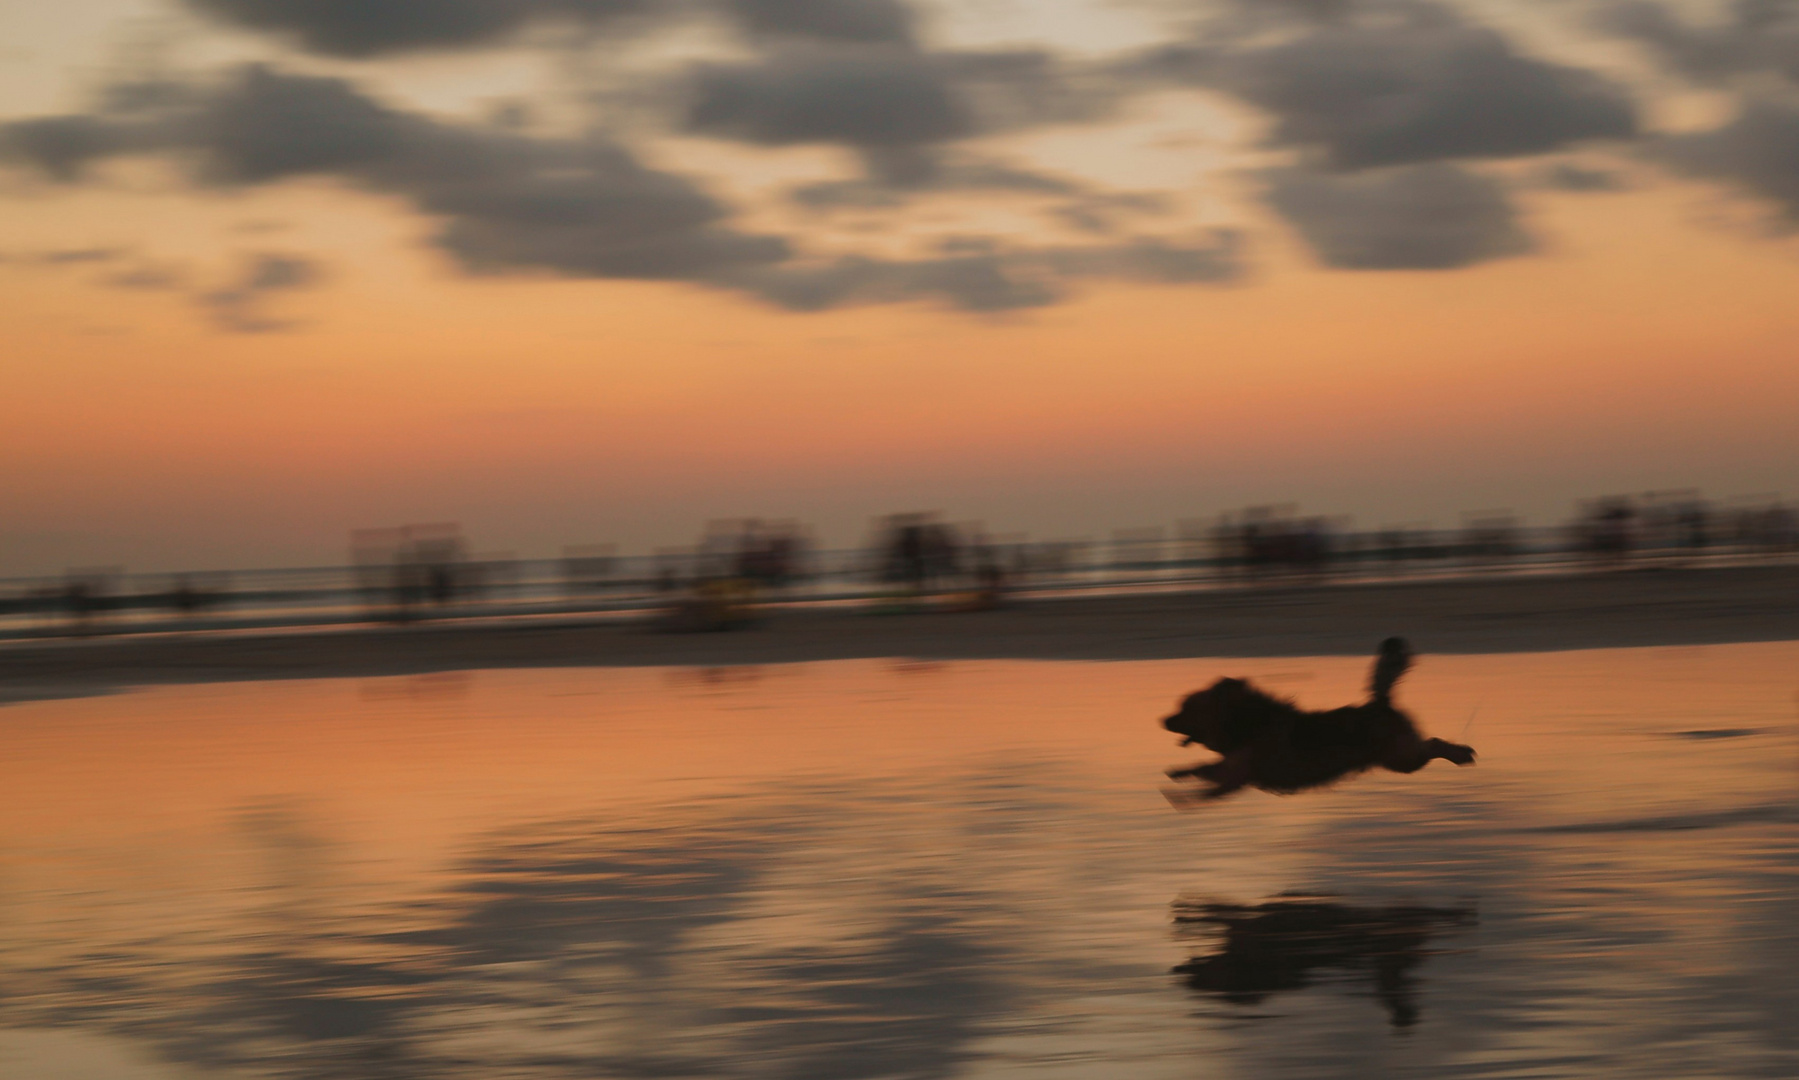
(1394, 659)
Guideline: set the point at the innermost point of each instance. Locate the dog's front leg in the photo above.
(1225, 776)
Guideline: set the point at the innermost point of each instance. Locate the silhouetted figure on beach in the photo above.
(1607, 532)
(769, 555)
(185, 600)
(989, 576)
(188, 598)
(409, 567)
(1269, 542)
(942, 553)
(82, 599)
(440, 583)
(1269, 743)
(907, 559)
(1279, 946)
(918, 553)
(1694, 525)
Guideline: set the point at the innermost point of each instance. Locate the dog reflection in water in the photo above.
(1283, 944)
(1270, 743)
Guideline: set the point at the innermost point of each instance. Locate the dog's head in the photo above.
(1202, 715)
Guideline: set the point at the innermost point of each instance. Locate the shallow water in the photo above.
(872, 869)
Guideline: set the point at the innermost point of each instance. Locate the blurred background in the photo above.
(600, 272)
(907, 562)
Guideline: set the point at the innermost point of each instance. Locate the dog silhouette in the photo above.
(1270, 743)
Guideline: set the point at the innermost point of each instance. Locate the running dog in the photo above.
(1272, 744)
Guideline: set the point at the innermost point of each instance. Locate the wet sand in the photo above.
(877, 869)
(1491, 615)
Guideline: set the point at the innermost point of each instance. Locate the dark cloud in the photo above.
(582, 206)
(61, 257)
(979, 274)
(1755, 35)
(508, 200)
(1401, 90)
(977, 281)
(62, 146)
(1009, 89)
(364, 28)
(1757, 151)
(829, 195)
(889, 99)
(147, 274)
(982, 282)
(1566, 176)
(859, 95)
(132, 114)
(239, 307)
(267, 125)
(834, 20)
(1388, 97)
(1216, 258)
(72, 256)
(902, 166)
(932, 172)
(1418, 217)
(1102, 211)
(887, 186)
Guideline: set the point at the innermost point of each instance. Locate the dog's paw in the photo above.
(1461, 755)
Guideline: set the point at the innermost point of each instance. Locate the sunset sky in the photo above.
(578, 271)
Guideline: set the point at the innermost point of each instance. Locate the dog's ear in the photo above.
(1394, 659)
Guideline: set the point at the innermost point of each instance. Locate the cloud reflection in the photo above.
(565, 950)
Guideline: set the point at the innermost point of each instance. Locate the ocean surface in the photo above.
(892, 869)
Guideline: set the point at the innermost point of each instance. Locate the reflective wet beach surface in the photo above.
(877, 869)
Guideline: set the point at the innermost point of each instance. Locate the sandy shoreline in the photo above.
(1602, 610)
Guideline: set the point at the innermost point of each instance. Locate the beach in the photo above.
(928, 843)
(1494, 614)
(881, 869)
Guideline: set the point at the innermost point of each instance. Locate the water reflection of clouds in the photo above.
(572, 950)
(990, 920)
(1631, 945)
(892, 929)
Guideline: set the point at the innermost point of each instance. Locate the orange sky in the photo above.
(1647, 351)
(1646, 345)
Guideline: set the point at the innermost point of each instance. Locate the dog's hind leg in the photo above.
(1450, 751)
(1415, 754)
